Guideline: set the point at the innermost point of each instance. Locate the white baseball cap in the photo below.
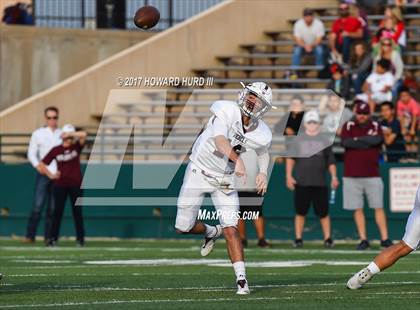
(311, 116)
(67, 128)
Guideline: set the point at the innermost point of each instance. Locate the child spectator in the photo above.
(339, 82)
(391, 129)
(408, 113)
(67, 180)
(360, 65)
(378, 85)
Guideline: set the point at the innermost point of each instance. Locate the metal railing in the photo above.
(13, 147)
(83, 13)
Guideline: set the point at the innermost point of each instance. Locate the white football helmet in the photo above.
(263, 93)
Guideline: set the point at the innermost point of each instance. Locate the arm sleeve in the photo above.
(219, 127)
(372, 140)
(330, 156)
(49, 157)
(321, 29)
(32, 151)
(399, 67)
(364, 65)
(354, 144)
(296, 30)
(263, 160)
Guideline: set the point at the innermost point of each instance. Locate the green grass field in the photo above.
(171, 275)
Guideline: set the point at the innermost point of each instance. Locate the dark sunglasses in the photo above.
(364, 113)
(52, 117)
(386, 44)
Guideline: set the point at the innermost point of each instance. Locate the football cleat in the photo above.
(298, 243)
(243, 288)
(359, 279)
(363, 245)
(208, 243)
(329, 243)
(386, 243)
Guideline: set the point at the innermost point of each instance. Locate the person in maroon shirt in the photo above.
(67, 180)
(362, 139)
(345, 30)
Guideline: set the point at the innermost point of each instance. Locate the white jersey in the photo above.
(412, 229)
(204, 153)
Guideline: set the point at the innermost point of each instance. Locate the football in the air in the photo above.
(147, 17)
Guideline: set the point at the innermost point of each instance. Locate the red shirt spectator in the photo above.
(68, 164)
(362, 139)
(411, 107)
(347, 24)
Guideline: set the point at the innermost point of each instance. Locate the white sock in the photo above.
(373, 268)
(239, 268)
(210, 230)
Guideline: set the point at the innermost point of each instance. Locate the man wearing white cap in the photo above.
(306, 176)
(67, 180)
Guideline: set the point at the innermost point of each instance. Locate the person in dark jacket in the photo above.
(362, 139)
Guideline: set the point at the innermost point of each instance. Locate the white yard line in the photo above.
(187, 248)
(55, 288)
(139, 301)
(154, 274)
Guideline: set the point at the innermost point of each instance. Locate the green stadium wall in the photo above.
(17, 182)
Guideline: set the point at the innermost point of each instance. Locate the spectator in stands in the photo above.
(306, 176)
(42, 141)
(360, 65)
(359, 12)
(393, 23)
(67, 180)
(408, 113)
(339, 82)
(391, 128)
(290, 123)
(345, 30)
(378, 85)
(389, 51)
(308, 32)
(362, 139)
(18, 14)
(335, 114)
(247, 191)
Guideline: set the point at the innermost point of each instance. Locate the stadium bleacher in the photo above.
(247, 67)
(267, 60)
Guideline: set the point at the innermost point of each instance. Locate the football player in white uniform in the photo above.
(214, 162)
(409, 243)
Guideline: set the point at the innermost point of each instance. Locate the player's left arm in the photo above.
(263, 160)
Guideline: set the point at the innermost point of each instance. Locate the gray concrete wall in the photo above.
(34, 59)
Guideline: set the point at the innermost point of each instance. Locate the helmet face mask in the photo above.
(255, 100)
